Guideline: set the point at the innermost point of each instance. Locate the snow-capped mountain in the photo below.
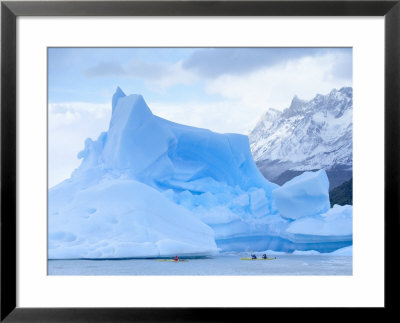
(308, 135)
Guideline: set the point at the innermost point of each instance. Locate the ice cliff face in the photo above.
(149, 187)
(308, 135)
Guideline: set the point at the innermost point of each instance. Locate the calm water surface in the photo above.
(220, 265)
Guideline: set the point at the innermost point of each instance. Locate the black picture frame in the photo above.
(10, 10)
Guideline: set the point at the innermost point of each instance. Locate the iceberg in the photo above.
(335, 222)
(304, 195)
(123, 218)
(327, 231)
(344, 252)
(149, 187)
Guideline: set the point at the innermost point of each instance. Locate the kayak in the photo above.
(258, 258)
(172, 260)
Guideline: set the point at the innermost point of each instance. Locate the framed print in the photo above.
(224, 189)
(192, 160)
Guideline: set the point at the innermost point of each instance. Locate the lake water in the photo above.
(220, 265)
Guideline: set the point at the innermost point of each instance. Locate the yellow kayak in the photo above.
(258, 258)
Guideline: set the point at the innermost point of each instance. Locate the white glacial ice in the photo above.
(122, 218)
(304, 195)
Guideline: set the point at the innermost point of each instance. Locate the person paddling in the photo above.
(176, 258)
(253, 256)
(264, 256)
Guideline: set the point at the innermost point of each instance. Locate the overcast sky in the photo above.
(222, 89)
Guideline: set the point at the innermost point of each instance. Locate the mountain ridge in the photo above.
(308, 135)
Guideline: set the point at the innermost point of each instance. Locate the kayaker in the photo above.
(264, 256)
(176, 258)
(253, 256)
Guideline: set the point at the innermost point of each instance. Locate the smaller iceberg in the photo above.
(304, 195)
(336, 222)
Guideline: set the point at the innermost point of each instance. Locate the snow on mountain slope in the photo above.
(309, 135)
(149, 187)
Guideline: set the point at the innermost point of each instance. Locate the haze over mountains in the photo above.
(309, 135)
